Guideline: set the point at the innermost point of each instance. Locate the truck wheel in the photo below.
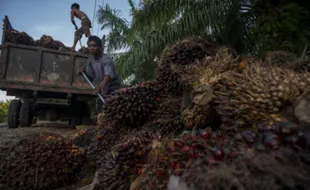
(13, 113)
(26, 113)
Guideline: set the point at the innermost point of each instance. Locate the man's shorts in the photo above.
(85, 28)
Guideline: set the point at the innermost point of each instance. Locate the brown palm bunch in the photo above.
(252, 95)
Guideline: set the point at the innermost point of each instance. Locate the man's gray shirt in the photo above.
(97, 69)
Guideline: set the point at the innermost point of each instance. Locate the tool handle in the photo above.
(92, 86)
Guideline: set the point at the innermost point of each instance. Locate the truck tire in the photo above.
(13, 113)
(26, 113)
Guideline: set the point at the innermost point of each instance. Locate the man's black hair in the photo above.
(75, 5)
(95, 39)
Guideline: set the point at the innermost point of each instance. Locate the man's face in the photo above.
(93, 48)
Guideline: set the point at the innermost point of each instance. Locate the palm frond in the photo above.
(109, 17)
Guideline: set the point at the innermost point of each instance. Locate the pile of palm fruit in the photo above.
(16, 37)
(13, 36)
(211, 119)
(48, 42)
(210, 107)
(43, 162)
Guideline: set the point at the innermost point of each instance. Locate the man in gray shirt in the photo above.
(100, 69)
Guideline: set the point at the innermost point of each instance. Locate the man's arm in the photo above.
(109, 74)
(87, 70)
(72, 20)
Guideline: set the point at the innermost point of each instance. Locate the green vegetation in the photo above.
(4, 108)
(250, 27)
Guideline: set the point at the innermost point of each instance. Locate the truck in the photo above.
(45, 83)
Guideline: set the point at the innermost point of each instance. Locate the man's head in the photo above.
(75, 5)
(94, 45)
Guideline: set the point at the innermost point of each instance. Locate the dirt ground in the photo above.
(10, 136)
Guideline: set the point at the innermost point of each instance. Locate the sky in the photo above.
(52, 17)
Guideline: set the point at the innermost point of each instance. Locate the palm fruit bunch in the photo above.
(164, 120)
(204, 77)
(132, 106)
(210, 70)
(14, 36)
(195, 116)
(284, 133)
(171, 73)
(105, 138)
(170, 79)
(280, 58)
(189, 50)
(155, 173)
(48, 42)
(176, 155)
(282, 169)
(120, 167)
(46, 162)
(302, 66)
(85, 136)
(256, 93)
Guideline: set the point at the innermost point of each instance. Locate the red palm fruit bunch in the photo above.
(285, 168)
(46, 162)
(155, 174)
(177, 155)
(164, 120)
(121, 166)
(284, 133)
(214, 145)
(132, 106)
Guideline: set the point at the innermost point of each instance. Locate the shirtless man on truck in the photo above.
(85, 24)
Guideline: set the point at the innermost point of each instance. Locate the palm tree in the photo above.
(119, 27)
(238, 23)
(121, 39)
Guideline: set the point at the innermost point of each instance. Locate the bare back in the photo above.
(77, 13)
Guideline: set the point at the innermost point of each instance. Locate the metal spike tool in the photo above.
(92, 86)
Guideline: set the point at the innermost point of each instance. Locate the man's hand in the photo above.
(76, 28)
(82, 69)
(99, 88)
